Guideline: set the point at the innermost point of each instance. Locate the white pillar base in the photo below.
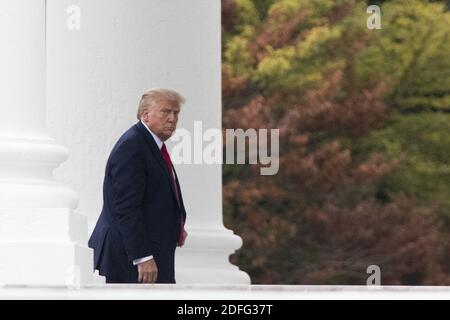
(43, 247)
(204, 259)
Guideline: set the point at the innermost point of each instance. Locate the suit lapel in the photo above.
(157, 154)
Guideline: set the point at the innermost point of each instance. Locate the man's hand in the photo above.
(148, 271)
(183, 237)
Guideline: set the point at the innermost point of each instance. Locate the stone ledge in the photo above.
(222, 292)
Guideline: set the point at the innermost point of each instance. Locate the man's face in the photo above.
(162, 118)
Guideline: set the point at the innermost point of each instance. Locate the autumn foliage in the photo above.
(326, 216)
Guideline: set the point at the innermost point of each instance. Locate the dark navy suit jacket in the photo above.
(141, 215)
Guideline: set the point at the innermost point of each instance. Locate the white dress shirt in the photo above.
(159, 143)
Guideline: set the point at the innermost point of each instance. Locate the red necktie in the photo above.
(166, 157)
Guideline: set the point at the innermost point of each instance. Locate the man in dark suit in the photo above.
(143, 215)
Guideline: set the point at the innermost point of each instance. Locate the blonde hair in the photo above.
(151, 96)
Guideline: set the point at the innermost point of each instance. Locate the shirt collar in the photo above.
(155, 137)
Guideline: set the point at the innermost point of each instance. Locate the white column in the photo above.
(205, 258)
(121, 50)
(40, 235)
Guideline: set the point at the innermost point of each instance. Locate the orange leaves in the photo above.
(322, 218)
(276, 36)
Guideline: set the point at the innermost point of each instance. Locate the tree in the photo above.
(411, 53)
(298, 67)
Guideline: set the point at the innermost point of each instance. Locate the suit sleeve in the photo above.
(128, 178)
